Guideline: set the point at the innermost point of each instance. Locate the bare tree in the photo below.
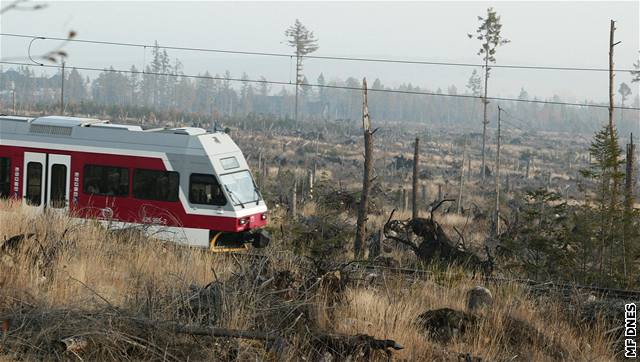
(489, 34)
(304, 43)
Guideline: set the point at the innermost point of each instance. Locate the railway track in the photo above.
(566, 288)
(533, 285)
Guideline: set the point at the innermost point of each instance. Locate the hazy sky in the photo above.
(542, 33)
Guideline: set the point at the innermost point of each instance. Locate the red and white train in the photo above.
(183, 184)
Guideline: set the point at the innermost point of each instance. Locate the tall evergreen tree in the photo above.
(607, 201)
(304, 43)
(489, 34)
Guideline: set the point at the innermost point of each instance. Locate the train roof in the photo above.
(102, 133)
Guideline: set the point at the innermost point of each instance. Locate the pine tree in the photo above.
(304, 42)
(489, 34)
(607, 201)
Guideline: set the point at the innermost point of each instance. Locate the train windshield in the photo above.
(240, 187)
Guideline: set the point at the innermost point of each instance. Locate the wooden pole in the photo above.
(294, 198)
(498, 177)
(361, 223)
(414, 191)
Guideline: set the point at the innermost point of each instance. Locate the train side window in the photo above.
(205, 190)
(34, 183)
(106, 180)
(156, 185)
(5, 177)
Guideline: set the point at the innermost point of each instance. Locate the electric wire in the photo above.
(320, 57)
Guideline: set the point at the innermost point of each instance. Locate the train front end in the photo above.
(231, 196)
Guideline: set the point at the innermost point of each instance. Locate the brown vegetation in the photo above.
(75, 289)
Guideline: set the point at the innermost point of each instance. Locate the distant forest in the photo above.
(181, 99)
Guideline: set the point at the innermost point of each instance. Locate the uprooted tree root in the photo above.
(429, 242)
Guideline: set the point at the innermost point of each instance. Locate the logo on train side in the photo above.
(76, 185)
(16, 181)
(106, 213)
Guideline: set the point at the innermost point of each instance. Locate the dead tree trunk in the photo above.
(612, 30)
(361, 225)
(311, 180)
(414, 189)
(374, 247)
(612, 135)
(404, 200)
(461, 183)
(485, 121)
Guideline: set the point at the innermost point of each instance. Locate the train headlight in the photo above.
(263, 216)
(243, 221)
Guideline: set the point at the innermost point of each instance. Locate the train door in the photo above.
(33, 186)
(58, 181)
(46, 180)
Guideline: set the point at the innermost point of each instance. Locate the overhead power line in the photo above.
(321, 57)
(329, 86)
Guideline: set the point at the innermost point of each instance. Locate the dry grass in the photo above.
(82, 267)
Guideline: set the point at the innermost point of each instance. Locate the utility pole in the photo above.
(62, 92)
(414, 191)
(498, 178)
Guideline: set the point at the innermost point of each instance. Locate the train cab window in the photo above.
(156, 185)
(205, 190)
(5, 177)
(34, 183)
(106, 180)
